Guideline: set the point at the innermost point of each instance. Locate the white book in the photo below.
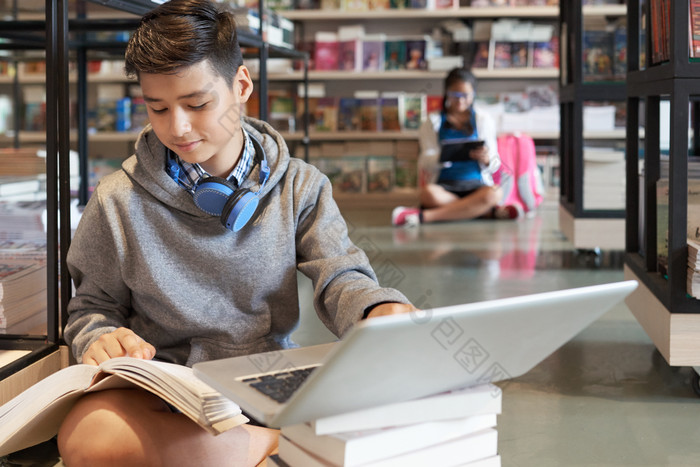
(35, 415)
(362, 447)
(476, 400)
(464, 451)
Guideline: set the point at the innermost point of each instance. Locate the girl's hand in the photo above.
(480, 155)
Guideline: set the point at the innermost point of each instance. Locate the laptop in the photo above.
(401, 357)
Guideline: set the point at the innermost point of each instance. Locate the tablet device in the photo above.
(456, 150)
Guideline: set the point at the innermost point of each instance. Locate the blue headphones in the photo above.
(219, 197)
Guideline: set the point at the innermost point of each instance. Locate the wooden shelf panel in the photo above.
(676, 335)
(591, 233)
(102, 137)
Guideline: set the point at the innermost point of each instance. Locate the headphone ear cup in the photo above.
(239, 209)
(211, 194)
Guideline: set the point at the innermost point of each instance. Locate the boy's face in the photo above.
(197, 115)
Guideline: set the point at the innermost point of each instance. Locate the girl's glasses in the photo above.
(459, 95)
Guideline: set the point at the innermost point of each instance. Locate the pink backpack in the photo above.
(519, 176)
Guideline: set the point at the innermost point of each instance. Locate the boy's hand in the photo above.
(119, 343)
(386, 309)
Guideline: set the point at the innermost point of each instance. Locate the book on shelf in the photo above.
(474, 447)
(693, 278)
(326, 50)
(35, 415)
(348, 114)
(694, 28)
(380, 173)
(368, 109)
(662, 213)
(350, 47)
(323, 113)
(413, 110)
(373, 52)
(416, 50)
(389, 104)
(395, 54)
(13, 186)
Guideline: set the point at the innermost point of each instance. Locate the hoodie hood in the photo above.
(146, 168)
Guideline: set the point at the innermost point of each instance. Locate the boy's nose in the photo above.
(180, 124)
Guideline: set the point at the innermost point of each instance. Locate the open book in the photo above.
(36, 414)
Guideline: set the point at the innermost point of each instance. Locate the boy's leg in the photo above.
(133, 427)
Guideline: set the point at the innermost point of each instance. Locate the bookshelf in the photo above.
(58, 35)
(669, 316)
(397, 23)
(587, 156)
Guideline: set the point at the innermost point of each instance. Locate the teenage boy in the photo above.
(173, 260)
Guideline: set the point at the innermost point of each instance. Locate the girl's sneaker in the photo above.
(404, 216)
(509, 211)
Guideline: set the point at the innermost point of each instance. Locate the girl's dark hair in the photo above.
(182, 33)
(457, 75)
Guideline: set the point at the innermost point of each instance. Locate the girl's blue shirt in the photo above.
(462, 170)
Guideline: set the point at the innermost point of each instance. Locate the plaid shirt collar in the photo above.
(192, 173)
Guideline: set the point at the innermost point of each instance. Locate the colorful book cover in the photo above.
(350, 55)
(406, 175)
(348, 115)
(368, 109)
(355, 5)
(323, 114)
(352, 175)
(415, 55)
(373, 52)
(620, 52)
(481, 55)
(502, 57)
(433, 104)
(545, 54)
(326, 51)
(395, 54)
(379, 4)
(597, 55)
(519, 54)
(390, 113)
(413, 110)
(419, 4)
(694, 28)
(380, 174)
(397, 4)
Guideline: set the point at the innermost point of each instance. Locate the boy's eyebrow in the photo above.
(186, 96)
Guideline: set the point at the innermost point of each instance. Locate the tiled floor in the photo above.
(606, 398)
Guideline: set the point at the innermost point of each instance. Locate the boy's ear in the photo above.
(242, 83)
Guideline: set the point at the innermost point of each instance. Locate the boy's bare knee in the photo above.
(100, 429)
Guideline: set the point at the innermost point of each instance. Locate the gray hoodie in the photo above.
(146, 258)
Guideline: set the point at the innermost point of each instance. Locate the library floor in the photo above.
(606, 398)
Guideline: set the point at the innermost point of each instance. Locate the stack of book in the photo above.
(693, 278)
(452, 428)
(22, 268)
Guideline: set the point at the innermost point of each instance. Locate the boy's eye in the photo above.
(158, 111)
(198, 107)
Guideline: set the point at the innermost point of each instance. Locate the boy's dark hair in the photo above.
(182, 33)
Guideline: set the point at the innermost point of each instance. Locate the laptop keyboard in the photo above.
(280, 386)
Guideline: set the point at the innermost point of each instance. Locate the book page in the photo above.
(35, 415)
